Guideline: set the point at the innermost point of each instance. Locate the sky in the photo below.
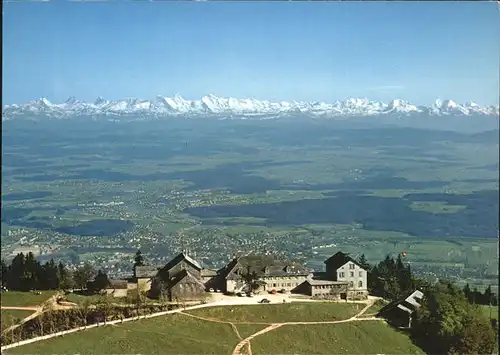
(314, 51)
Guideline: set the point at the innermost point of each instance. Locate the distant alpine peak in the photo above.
(228, 107)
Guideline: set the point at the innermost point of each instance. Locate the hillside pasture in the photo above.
(24, 299)
(363, 337)
(13, 316)
(277, 313)
(172, 334)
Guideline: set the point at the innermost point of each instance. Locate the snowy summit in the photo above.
(214, 106)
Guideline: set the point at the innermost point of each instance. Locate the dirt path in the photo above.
(50, 303)
(245, 343)
(215, 320)
(30, 308)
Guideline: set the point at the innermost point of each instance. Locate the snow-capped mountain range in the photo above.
(213, 106)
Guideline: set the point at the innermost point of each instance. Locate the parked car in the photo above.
(264, 300)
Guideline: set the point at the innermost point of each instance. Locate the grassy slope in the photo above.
(174, 334)
(24, 299)
(246, 330)
(13, 316)
(367, 337)
(486, 311)
(376, 307)
(276, 313)
(184, 334)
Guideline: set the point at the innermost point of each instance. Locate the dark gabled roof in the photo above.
(145, 271)
(184, 274)
(409, 303)
(117, 284)
(264, 265)
(339, 259)
(180, 257)
(228, 268)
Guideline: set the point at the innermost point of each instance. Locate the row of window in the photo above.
(351, 284)
(342, 274)
(289, 284)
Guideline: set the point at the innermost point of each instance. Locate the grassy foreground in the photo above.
(183, 334)
(364, 337)
(24, 299)
(13, 316)
(487, 313)
(173, 334)
(277, 313)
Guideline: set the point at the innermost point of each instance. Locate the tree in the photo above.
(489, 297)
(447, 323)
(83, 275)
(475, 337)
(251, 279)
(18, 275)
(467, 292)
(100, 282)
(138, 259)
(84, 311)
(50, 276)
(4, 273)
(65, 277)
(104, 305)
(32, 272)
(364, 263)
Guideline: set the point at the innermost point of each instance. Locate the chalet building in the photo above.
(143, 278)
(400, 312)
(209, 277)
(179, 279)
(273, 275)
(183, 278)
(344, 278)
(117, 288)
(328, 289)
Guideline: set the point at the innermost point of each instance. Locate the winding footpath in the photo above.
(242, 348)
(245, 343)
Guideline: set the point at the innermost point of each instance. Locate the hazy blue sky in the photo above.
(278, 51)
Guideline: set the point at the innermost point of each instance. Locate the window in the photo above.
(288, 284)
(352, 273)
(274, 285)
(351, 266)
(351, 284)
(341, 274)
(360, 284)
(361, 274)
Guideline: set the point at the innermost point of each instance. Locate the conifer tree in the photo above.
(139, 259)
